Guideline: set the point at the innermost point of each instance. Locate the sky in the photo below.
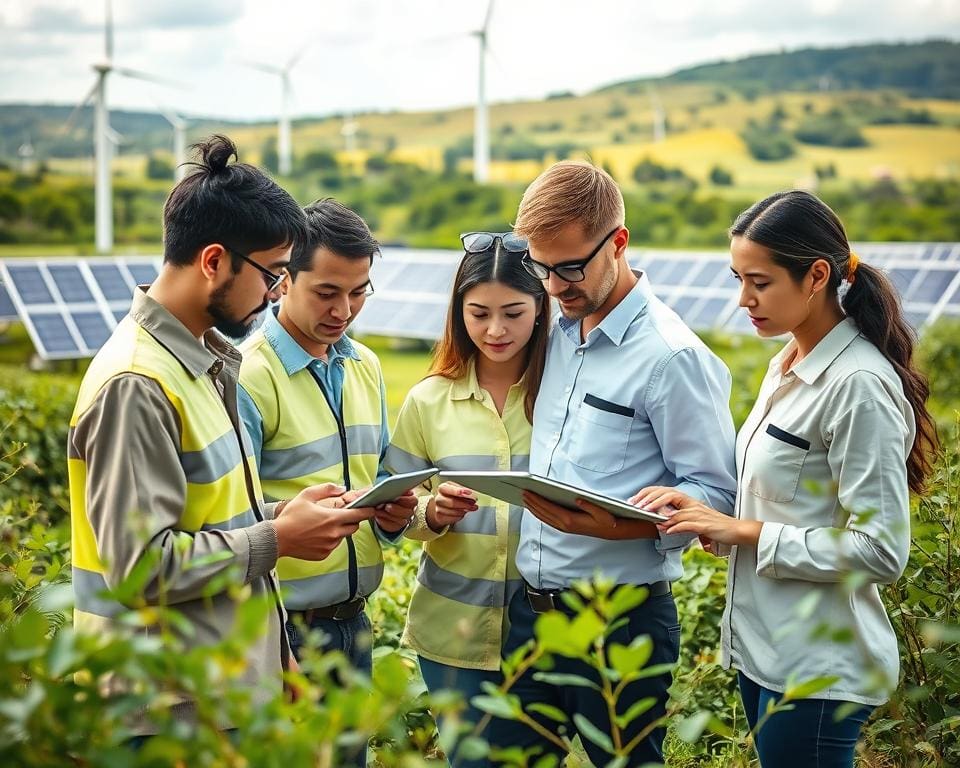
(361, 55)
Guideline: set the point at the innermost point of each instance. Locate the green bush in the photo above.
(767, 142)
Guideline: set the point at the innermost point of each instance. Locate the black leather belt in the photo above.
(543, 600)
(349, 609)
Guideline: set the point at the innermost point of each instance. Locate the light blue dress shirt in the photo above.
(330, 374)
(642, 401)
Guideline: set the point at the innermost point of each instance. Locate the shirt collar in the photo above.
(468, 385)
(615, 325)
(292, 356)
(822, 355)
(198, 358)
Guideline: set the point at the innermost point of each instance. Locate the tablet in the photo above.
(509, 486)
(392, 487)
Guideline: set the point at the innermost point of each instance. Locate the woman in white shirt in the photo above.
(837, 439)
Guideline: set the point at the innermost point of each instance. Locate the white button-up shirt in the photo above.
(821, 460)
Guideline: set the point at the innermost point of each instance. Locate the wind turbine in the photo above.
(179, 126)
(659, 115)
(481, 138)
(104, 137)
(349, 131)
(284, 148)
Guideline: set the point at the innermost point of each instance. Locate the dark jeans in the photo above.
(440, 677)
(807, 735)
(657, 617)
(354, 637)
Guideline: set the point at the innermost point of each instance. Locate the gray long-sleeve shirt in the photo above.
(129, 438)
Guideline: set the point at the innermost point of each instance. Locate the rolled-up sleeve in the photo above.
(868, 440)
(135, 498)
(688, 408)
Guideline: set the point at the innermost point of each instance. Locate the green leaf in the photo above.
(472, 748)
(560, 679)
(637, 709)
(549, 711)
(807, 688)
(690, 729)
(507, 707)
(627, 659)
(589, 731)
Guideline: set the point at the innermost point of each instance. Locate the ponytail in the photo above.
(800, 229)
(873, 303)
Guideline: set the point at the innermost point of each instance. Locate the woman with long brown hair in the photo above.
(473, 411)
(837, 439)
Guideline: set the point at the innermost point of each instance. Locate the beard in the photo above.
(224, 321)
(590, 303)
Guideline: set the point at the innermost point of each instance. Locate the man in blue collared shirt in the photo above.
(630, 397)
(313, 403)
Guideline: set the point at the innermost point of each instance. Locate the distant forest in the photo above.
(928, 70)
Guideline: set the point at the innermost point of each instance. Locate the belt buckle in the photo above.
(541, 602)
(349, 610)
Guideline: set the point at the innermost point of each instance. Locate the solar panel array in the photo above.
(71, 305)
(413, 286)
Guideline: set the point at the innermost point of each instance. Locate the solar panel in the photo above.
(7, 310)
(52, 335)
(71, 306)
(30, 284)
(112, 282)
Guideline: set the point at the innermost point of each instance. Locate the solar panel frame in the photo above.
(36, 315)
(413, 289)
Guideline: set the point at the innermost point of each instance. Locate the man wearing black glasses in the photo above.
(161, 476)
(313, 401)
(629, 397)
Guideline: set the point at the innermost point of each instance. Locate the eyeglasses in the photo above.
(481, 242)
(272, 279)
(569, 272)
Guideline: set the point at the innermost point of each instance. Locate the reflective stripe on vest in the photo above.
(302, 447)
(210, 455)
(467, 575)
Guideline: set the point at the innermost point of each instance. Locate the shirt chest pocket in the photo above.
(601, 435)
(775, 464)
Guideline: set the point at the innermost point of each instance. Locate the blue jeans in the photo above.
(440, 677)
(656, 617)
(354, 638)
(807, 735)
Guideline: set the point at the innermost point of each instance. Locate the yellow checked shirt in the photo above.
(467, 573)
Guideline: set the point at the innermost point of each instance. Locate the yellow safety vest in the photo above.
(210, 452)
(468, 573)
(304, 444)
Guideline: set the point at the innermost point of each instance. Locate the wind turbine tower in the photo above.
(284, 144)
(481, 136)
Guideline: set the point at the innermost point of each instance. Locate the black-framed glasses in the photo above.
(569, 272)
(272, 279)
(481, 242)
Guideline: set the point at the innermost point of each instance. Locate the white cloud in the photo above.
(412, 54)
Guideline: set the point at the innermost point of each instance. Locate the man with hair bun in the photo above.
(162, 477)
(628, 393)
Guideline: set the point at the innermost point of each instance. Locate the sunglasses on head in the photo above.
(481, 242)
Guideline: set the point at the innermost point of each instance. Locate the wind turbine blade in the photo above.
(115, 138)
(77, 109)
(486, 19)
(135, 74)
(108, 31)
(297, 56)
(268, 68)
